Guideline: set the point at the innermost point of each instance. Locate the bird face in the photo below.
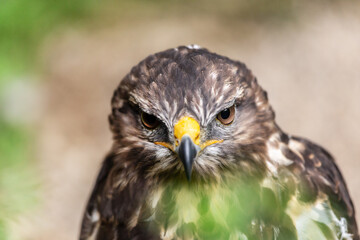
(193, 114)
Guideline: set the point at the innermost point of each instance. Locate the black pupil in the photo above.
(150, 119)
(225, 114)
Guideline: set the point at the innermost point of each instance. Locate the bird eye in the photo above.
(227, 115)
(149, 121)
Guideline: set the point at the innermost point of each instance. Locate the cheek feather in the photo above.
(162, 153)
(212, 159)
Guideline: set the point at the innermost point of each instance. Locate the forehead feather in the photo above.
(191, 80)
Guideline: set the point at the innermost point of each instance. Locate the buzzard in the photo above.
(197, 154)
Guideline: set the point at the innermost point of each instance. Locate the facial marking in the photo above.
(165, 144)
(210, 142)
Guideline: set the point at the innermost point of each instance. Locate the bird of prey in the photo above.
(197, 154)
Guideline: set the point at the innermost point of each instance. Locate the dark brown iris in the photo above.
(227, 115)
(149, 121)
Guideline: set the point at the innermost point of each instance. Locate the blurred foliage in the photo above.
(238, 208)
(17, 181)
(23, 25)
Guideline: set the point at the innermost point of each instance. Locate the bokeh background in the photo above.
(61, 60)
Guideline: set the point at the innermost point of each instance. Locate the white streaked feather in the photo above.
(94, 217)
(306, 216)
(193, 46)
(277, 156)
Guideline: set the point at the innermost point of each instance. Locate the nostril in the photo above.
(197, 139)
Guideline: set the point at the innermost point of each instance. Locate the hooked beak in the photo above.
(187, 151)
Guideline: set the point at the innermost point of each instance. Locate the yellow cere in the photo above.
(189, 126)
(210, 142)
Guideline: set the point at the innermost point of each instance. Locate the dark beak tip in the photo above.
(188, 175)
(187, 152)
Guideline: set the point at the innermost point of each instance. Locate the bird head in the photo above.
(188, 113)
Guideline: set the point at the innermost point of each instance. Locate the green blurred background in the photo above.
(61, 60)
